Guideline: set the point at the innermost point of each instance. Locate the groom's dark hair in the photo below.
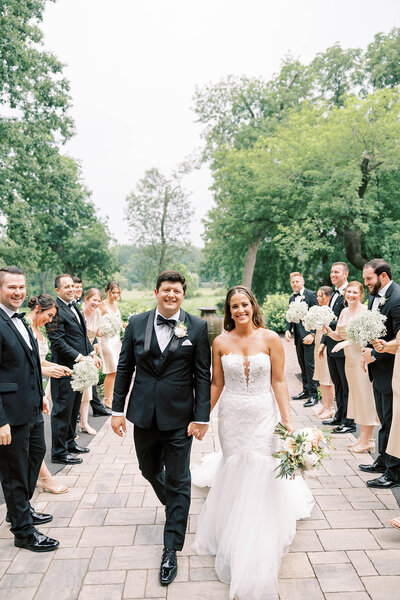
(379, 266)
(173, 276)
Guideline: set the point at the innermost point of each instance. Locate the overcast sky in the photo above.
(133, 66)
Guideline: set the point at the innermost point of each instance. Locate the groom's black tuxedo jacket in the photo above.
(310, 298)
(175, 384)
(68, 337)
(381, 370)
(21, 388)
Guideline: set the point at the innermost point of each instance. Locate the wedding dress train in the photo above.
(249, 518)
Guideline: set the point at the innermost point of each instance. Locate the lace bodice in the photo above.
(247, 374)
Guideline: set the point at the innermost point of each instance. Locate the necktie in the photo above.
(168, 322)
(18, 315)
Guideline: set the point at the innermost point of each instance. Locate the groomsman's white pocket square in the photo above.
(187, 343)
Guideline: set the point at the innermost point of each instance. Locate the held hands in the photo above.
(5, 435)
(288, 336)
(199, 430)
(308, 340)
(118, 425)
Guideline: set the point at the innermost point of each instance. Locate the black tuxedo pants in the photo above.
(95, 402)
(305, 358)
(384, 408)
(20, 462)
(164, 460)
(338, 376)
(64, 415)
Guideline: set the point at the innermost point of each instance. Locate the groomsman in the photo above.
(339, 275)
(78, 285)
(69, 345)
(22, 445)
(304, 341)
(385, 297)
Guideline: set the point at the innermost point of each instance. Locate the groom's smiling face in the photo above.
(170, 296)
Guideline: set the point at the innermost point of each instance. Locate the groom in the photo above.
(169, 402)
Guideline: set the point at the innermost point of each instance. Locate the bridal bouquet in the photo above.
(318, 317)
(300, 451)
(365, 327)
(109, 326)
(84, 374)
(296, 312)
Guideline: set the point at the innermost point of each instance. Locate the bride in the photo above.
(249, 518)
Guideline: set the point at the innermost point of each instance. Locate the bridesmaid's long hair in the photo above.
(229, 323)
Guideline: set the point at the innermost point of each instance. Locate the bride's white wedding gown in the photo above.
(249, 518)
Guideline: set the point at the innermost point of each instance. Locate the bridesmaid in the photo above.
(361, 406)
(110, 348)
(321, 372)
(92, 314)
(43, 310)
(393, 447)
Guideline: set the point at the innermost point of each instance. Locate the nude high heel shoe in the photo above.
(369, 448)
(48, 484)
(87, 429)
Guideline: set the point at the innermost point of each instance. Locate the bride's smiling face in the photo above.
(241, 309)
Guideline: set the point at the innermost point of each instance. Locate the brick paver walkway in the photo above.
(110, 529)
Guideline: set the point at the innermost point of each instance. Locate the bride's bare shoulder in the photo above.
(221, 342)
(270, 336)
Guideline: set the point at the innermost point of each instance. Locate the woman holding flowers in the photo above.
(109, 338)
(361, 405)
(321, 372)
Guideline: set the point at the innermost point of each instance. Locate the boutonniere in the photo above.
(78, 305)
(382, 301)
(27, 322)
(302, 297)
(341, 292)
(180, 330)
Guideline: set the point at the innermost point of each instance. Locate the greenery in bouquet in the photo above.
(84, 374)
(296, 312)
(318, 317)
(109, 326)
(300, 451)
(365, 327)
(274, 311)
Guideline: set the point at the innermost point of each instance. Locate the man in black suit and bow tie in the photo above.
(22, 445)
(304, 341)
(385, 297)
(336, 360)
(69, 344)
(169, 402)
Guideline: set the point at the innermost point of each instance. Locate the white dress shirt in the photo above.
(18, 324)
(298, 298)
(381, 293)
(338, 292)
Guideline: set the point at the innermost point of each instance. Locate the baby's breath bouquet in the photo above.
(365, 327)
(318, 317)
(301, 450)
(296, 312)
(84, 374)
(109, 326)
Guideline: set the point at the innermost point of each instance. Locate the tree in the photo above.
(383, 59)
(159, 213)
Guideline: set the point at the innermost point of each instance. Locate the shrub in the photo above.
(274, 311)
(128, 308)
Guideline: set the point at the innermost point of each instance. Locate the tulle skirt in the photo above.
(248, 520)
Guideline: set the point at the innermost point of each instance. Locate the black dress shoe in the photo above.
(169, 566)
(312, 401)
(374, 468)
(37, 518)
(345, 429)
(68, 459)
(383, 483)
(78, 450)
(333, 422)
(301, 396)
(101, 412)
(36, 542)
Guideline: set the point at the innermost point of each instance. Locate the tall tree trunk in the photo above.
(250, 262)
(42, 279)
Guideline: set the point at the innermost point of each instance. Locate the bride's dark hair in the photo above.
(229, 323)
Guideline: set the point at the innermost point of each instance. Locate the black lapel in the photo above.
(174, 344)
(147, 338)
(370, 302)
(20, 338)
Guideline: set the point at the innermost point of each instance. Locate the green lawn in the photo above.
(141, 300)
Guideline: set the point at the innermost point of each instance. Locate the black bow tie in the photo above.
(18, 315)
(72, 304)
(298, 294)
(168, 322)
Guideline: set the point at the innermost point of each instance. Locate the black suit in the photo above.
(171, 389)
(305, 353)
(381, 373)
(21, 405)
(68, 339)
(336, 365)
